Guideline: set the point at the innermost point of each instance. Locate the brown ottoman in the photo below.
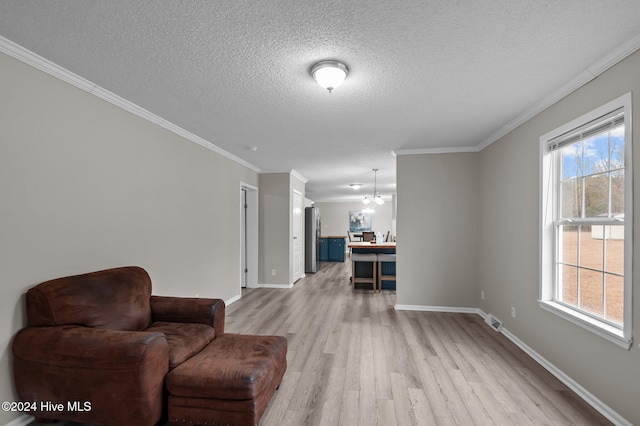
(230, 382)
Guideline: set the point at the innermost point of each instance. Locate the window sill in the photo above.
(599, 328)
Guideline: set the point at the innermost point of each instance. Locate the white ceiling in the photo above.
(424, 74)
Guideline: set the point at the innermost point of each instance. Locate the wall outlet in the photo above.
(482, 294)
(513, 312)
(273, 272)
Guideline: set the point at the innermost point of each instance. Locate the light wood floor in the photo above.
(354, 360)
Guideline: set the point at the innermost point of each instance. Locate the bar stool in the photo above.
(385, 257)
(363, 257)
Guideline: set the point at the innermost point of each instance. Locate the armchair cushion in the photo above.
(185, 340)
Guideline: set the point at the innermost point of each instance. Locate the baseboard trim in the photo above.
(23, 420)
(458, 310)
(583, 393)
(233, 299)
(275, 285)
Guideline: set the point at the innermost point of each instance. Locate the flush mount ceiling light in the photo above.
(329, 74)
(356, 186)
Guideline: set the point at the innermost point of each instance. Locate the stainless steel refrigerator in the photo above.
(312, 231)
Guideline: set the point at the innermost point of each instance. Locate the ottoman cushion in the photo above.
(231, 367)
(184, 339)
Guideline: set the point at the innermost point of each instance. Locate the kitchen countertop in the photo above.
(359, 244)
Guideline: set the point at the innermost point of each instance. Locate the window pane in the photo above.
(615, 296)
(571, 160)
(616, 148)
(596, 195)
(591, 247)
(569, 290)
(569, 247)
(617, 193)
(596, 154)
(571, 199)
(591, 295)
(615, 249)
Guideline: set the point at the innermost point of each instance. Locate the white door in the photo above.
(243, 237)
(298, 232)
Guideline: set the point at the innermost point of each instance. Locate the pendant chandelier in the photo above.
(375, 197)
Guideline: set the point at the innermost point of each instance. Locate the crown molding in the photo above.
(452, 150)
(616, 55)
(299, 176)
(20, 53)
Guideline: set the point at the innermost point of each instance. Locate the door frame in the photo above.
(251, 236)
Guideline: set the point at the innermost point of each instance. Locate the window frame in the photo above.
(549, 250)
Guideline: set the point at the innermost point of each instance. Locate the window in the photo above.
(586, 214)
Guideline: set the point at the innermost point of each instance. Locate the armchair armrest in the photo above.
(119, 373)
(85, 347)
(190, 310)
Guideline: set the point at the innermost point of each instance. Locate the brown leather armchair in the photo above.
(100, 345)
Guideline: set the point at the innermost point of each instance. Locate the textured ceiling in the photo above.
(423, 74)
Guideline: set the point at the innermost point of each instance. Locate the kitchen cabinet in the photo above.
(332, 249)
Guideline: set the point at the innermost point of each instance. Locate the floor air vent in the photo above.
(493, 322)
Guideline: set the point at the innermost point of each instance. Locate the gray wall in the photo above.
(273, 228)
(470, 222)
(85, 185)
(437, 225)
(276, 227)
